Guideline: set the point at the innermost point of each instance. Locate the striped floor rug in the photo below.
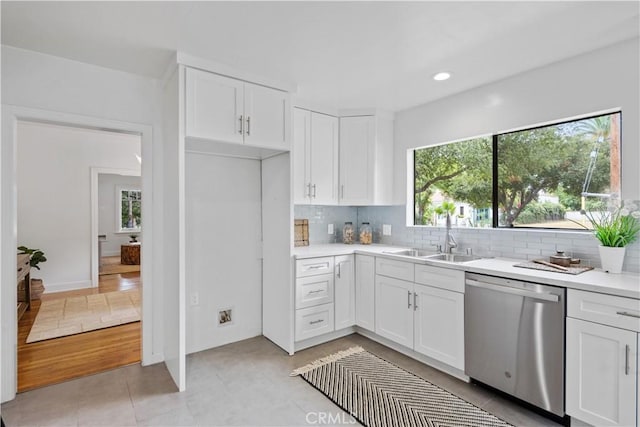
(378, 393)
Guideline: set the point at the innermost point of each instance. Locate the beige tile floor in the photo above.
(241, 384)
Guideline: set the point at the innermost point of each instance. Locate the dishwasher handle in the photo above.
(545, 296)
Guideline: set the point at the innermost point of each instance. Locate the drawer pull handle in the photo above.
(315, 292)
(626, 313)
(626, 359)
(315, 267)
(313, 322)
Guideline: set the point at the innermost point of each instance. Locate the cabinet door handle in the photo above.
(408, 299)
(241, 131)
(309, 190)
(626, 313)
(415, 301)
(342, 191)
(248, 125)
(313, 322)
(314, 190)
(339, 270)
(626, 359)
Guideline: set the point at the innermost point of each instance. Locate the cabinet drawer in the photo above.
(314, 290)
(396, 269)
(609, 310)
(314, 266)
(444, 278)
(314, 321)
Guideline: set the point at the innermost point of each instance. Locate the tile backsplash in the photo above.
(510, 243)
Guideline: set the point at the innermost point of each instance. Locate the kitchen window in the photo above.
(129, 209)
(541, 177)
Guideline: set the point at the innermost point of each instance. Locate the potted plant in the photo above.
(37, 256)
(615, 230)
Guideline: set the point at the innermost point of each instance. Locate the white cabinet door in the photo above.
(214, 107)
(324, 159)
(345, 292)
(602, 374)
(301, 156)
(394, 310)
(357, 139)
(265, 115)
(439, 325)
(365, 291)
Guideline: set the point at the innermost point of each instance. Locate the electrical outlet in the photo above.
(195, 299)
(386, 229)
(330, 229)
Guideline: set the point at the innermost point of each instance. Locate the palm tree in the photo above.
(599, 130)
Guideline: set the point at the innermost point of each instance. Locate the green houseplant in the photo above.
(615, 230)
(37, 256)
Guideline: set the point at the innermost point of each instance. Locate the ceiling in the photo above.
(340, 54)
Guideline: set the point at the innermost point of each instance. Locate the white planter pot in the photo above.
(611, 259)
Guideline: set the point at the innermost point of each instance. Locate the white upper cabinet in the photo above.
(266, 111)
(366, 160)
(223, 109)
(214, 107)
(315, 165)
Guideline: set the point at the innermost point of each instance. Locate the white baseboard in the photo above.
(66, 286)
(321, 339)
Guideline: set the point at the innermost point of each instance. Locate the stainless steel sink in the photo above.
(414, 253)
(453, 257)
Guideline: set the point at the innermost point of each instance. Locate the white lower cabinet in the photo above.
(602, 359)
(325, 295)
(365, 291)
(345, 292)
(394, 310)
(439, 325)
(427, 319)
(314, 321)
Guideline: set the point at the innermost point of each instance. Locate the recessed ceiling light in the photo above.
(442, 76)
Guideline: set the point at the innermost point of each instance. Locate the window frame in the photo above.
(495, 154)
(119, 190)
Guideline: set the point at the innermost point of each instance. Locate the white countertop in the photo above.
(625, 285)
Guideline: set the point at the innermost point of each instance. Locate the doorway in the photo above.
(77, 326)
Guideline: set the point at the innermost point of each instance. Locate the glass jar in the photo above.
(366, 234)
(348, 233)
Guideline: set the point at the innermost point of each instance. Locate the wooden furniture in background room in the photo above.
(130, 254)
(24, 283)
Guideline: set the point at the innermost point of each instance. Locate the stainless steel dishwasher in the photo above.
(514, 338)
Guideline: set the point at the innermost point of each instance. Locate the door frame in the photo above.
(11, 115)
(95, 259)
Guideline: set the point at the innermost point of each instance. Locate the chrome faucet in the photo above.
(449, 241)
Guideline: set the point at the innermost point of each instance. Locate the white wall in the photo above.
(54, 194)
(600, 80)
(108, 184)
(37, 81)
(223, 249)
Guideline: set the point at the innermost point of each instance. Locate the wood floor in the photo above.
(60, 359)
